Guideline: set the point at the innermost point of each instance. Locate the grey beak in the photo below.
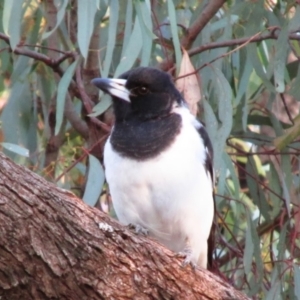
(113, 86)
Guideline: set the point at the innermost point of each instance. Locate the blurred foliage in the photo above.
(247, 56)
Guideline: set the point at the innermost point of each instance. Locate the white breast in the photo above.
(170, 195)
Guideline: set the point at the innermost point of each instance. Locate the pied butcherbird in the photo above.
(159, 163)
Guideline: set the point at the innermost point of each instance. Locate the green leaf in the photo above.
(224, 105)
(249, 247)
(232, 172)
(274, 185)
(94, 182)
(144, 16)
(256, 192)
(128, 26)
(222, 174)
(297, 281)
(112, 34)
(86, 13)
(102, 106)
(219, 131)
(7, 9)
(289, 135)
(16, 149)
(174, 31)
(61, 10)
(244, 80)
(62, 90)
(286, 180)
(132, 51)
(281, 244)
(274, 292)
(281, 48)
(225, 22)
(98, 4)
(259, 67)
(17, 114)
(21, 68)
(295, 86)
(12, 19)
(143, 10)
(256, 254)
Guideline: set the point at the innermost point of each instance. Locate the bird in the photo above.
(158, 163)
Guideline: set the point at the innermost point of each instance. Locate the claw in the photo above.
(187, 255)
(138, 229)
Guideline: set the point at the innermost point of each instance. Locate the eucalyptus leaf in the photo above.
(289, 135)
(233, 175)
(12, 20)
(174, 31)
(16, 149)
(95, 181)
(282, 47)
(17, 116)
(132, 50)
(112, 35)
(249, 248)
(259, 68)
(102, 106)
(286, 181)
(61, 6)
(128, 26)
(297, 281)
(144, 16)
(219, 131)
(62, 90)
(256, 191)
(86, 13)
(274, 292)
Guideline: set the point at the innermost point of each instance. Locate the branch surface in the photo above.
(53, 246)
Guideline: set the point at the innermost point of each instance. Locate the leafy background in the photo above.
(247, 56)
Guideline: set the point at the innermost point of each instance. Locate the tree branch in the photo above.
(53, 246)
(206, 15)
(74, 118)
(78, 124)
(235, 42)
(208, 12)
(52, 63)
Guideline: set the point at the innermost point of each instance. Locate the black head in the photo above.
(143, 92)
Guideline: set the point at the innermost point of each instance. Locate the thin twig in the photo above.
(286, 108)
(87, 102)
(258, 37)
(86, 152)
(53, 63)
(245, 43)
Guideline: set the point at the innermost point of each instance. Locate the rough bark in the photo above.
(53, 246)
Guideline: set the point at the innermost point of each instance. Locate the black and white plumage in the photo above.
(158, 163)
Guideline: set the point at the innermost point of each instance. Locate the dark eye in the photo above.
(142, 90)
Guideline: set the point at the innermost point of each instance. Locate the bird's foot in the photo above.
(188, 257)
(138, 229)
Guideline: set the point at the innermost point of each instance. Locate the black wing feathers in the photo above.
(209, 152)
(209, 167)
